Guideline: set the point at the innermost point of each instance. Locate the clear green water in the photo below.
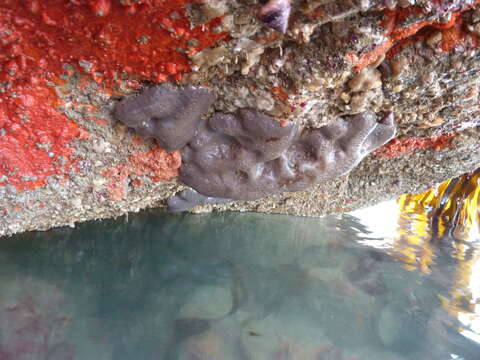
(222, 286)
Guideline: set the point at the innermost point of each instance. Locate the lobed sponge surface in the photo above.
(247, 155)
(166, 113)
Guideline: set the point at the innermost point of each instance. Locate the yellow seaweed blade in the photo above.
(453, 207)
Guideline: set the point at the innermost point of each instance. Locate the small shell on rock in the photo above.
(399, 65)
(390, 4)
(275, 14)
(367, 79)
(214, 9)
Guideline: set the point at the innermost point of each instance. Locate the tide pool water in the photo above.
(238, 286)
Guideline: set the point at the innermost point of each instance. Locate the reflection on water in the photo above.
(437, 233)
(440, 226)
(447, 211)
(397, 281)
(226, 286)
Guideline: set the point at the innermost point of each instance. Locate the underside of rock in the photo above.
(69, 152)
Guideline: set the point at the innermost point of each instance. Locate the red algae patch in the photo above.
(143, 39)
(34, 138)
(456, 36)
(157, 163)
(106, 39)
(397, 147)
(398, 35)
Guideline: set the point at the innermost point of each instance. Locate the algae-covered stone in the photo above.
(207, 302)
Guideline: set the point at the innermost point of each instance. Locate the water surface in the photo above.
(235, 286)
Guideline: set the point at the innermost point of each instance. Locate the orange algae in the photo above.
(409, 145)
(157, 163)
(453, 33)
(105, 39)
(398, 37)
(372, 56)
(280, 93)
(456, 36)
(34, 144)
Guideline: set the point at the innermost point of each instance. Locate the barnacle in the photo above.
(166, 113)
(275, 14)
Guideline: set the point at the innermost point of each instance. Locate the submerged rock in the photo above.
(207, 302)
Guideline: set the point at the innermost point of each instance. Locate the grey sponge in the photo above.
(166, 113)
(247, 155)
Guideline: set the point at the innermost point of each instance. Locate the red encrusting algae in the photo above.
(157, 163)
(34, 138)
(399, 36)
(106, 39)
(397, 147)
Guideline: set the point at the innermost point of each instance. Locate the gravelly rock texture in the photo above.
(418, 59)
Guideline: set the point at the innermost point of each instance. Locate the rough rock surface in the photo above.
(64, 65)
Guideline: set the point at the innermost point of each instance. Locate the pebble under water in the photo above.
(234, 286)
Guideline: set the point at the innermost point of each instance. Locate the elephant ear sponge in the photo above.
(189, 198)
(234, 156)
(331, 151)
(247, 155)
(166, 113)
